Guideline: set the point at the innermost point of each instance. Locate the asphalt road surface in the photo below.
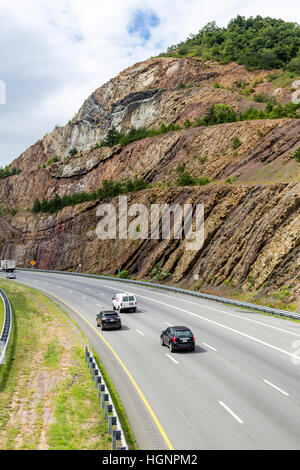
(240, 388)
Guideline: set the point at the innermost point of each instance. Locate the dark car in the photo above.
(108, 320)
(178, 338)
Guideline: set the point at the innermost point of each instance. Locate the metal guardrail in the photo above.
(6, 330)
(235, 303)
(114, 426)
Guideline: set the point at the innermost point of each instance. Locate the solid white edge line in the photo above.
(241, 333)
(172, 359)
(277, 388)
(217, 323)
(231, 412)
(148, 407)
(210, 347)
(228, 313)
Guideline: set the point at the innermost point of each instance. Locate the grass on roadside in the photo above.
(1, 315)
(47, 397)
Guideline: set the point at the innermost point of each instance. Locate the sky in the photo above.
(55, 53)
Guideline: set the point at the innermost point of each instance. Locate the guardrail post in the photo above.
(92, 365)
(95, 373)
(86, 353)
(98, 380)
(112, 421)
(108, 409)
(101, 389)
(104, 399)
(116, 436)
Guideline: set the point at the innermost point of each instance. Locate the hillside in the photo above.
(252, 200)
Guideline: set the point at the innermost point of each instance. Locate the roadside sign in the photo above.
(33, 263)
(196, 277)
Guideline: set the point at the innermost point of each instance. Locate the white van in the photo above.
(124, 302)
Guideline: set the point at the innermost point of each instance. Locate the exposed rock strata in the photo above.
(252, 227)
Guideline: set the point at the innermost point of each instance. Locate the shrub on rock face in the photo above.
(159, 274)
(236, 143)
(73, 152)
(297, 154)
(124, 275)
(186, 179)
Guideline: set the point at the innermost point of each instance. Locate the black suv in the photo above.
(108, 320)
(177, 338)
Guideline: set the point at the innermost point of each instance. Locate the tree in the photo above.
(112, 138)
(73, 152)
(294, 65)
(254, 42)
(36, 206)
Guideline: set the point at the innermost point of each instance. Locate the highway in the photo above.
(240, 389)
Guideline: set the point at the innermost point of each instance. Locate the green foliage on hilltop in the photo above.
(265, 43)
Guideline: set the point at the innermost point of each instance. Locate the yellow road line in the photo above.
(146, 403)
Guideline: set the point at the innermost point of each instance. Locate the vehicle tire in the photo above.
(162, 343)
(102, 329)
(193, 348)
(171, 347)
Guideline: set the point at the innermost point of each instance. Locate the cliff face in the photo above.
(252, 226)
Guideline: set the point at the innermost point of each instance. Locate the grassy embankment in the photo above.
(1, 315)
(47, 397)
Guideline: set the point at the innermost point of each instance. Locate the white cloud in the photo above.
(54, 53)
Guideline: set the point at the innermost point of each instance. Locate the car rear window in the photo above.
(125, 299)
(131, 298)
(183, 333)
(106, 315)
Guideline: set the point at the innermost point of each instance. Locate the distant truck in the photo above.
(8, 265)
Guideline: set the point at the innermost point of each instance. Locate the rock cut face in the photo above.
(149, 93)
(251, 222)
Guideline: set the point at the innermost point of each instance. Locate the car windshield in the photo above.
(183, 333)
